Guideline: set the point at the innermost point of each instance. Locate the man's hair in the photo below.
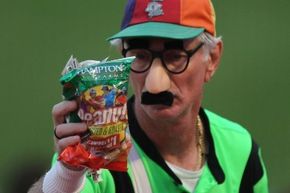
(209, 40)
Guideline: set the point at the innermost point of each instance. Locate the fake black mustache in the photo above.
(162, 98)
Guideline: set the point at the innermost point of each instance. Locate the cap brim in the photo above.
(158, 29)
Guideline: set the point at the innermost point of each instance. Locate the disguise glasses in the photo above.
(174, 57)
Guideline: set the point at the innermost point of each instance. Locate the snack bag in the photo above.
(101, 91)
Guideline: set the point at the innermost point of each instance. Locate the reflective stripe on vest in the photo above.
(140, 181)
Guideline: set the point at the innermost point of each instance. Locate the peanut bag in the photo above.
(101, 89)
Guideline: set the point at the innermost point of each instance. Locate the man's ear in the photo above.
(213, 61)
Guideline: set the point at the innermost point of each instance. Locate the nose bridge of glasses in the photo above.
(158, 55)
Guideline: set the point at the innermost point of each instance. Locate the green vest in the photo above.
(234, 163)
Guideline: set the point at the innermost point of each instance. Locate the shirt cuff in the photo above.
(60, 179)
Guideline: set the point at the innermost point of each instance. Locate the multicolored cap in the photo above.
(176, 19)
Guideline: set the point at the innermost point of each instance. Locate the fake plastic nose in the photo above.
(157, 79)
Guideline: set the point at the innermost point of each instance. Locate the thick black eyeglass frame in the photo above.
(159, 54)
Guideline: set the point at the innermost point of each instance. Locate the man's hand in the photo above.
(66, 133)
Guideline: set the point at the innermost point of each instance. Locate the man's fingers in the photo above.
(65, 142)
(61, 110)
(69, 129)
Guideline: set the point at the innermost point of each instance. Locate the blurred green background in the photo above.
(37, 38)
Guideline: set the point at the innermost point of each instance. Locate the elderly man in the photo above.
(178, 146)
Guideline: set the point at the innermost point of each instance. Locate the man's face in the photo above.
(186, 87)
